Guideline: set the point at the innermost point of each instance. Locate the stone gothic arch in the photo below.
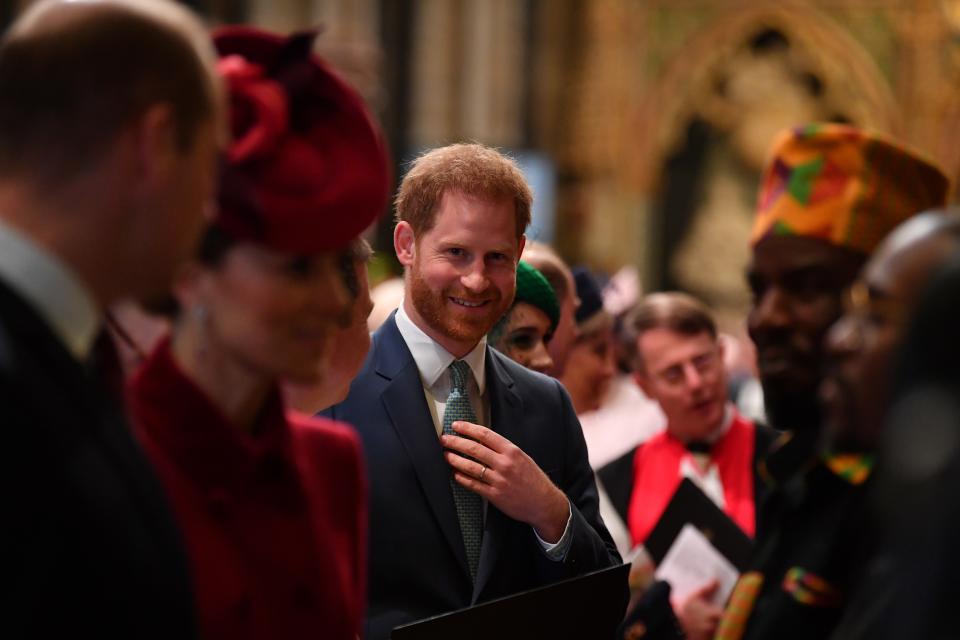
(704, 130)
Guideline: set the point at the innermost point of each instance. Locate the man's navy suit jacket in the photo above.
(418, 566)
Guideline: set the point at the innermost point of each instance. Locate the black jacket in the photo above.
(89, 546)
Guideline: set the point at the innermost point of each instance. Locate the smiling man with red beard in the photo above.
(479, 480)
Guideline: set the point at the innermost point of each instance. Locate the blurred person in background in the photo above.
(351, 342)
(856, 391)
(110, 126)
(525, 330)
(590, 362)
(917, 496)
(545, 260)
(626, 416)
(680, 366)
(272, 503)
(830, 194)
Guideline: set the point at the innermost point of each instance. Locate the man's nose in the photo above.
(771, 310)
(692, 376)
(475, 279)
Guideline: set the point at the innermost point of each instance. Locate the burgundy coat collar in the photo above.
(179, 417)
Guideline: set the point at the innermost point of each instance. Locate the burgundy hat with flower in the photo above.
(307, 169)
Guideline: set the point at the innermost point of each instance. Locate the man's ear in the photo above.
(405, 243)
(155, 142)
(523, 243)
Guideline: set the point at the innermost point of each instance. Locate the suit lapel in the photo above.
(406, 406)
(505, 405)
(83, 405)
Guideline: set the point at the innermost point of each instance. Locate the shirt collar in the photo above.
(433, 360)
(53, 290)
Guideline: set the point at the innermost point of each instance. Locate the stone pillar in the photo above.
(468, 72)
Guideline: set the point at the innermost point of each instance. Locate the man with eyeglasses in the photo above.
(829, 196)
(680, 366)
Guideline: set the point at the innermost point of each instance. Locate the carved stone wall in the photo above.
(678, 100)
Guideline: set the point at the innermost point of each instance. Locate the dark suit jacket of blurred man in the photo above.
(418, 566)
(86, 526)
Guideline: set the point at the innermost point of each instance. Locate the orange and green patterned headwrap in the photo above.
(843, 185)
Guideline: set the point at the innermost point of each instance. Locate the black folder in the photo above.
(587, 607)
(690, 505)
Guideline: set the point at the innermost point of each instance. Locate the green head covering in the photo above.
(533, 288)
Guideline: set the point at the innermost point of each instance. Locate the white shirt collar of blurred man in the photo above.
(52, 289)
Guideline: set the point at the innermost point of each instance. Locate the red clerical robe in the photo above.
(657, 474)
(274, 524)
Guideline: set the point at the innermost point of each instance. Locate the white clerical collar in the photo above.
(51, 288)
(432, 359)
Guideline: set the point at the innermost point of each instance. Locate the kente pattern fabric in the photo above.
(852, 467)
(844, 186)
(739, 606)
(469, 504)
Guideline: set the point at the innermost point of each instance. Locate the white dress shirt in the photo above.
(433, 362)
(702, 470)
(51, 288)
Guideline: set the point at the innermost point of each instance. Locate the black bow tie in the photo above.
(699, 446)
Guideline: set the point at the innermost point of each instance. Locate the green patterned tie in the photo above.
(469, 505)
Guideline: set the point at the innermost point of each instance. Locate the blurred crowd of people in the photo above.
(216, 427)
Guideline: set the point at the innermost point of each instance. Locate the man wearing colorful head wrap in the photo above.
(829, 195)
(272, 503)
(110, 124)
(524, 332)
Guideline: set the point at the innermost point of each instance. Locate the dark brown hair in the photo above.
(72, 78)
(472, 169)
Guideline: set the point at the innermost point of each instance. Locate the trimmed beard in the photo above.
(793, 409)
(432, 308)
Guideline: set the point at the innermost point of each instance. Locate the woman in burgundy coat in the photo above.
(271, 504)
